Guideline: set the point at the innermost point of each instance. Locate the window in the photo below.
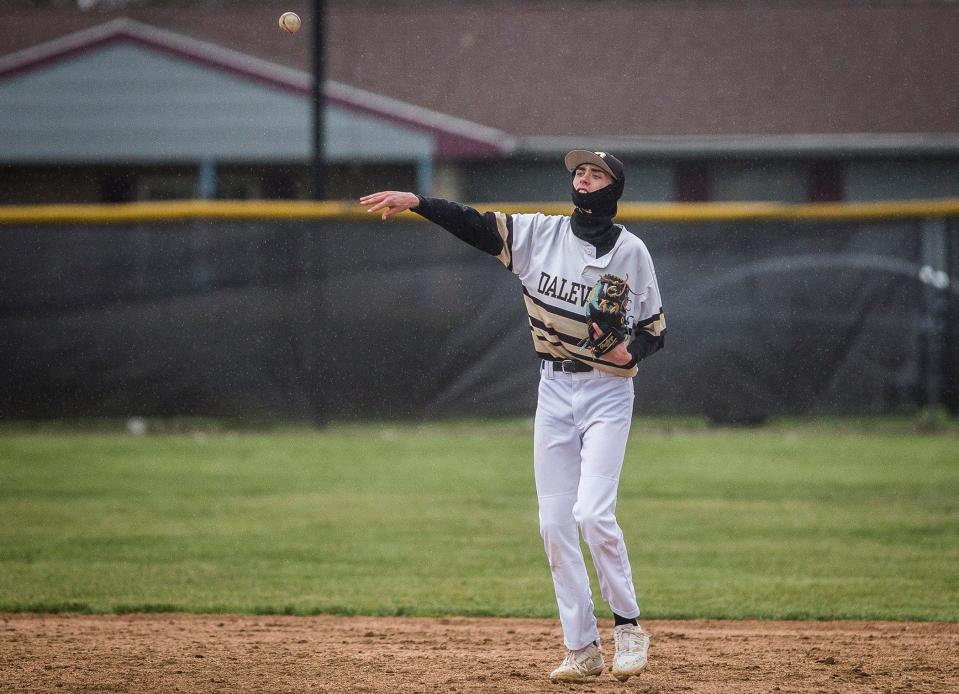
(825, 182)
(692, 181)
(171, 186)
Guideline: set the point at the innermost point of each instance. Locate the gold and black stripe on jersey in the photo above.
(649, 336)
(557, 333)
(504, 227)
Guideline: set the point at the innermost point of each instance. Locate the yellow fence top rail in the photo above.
(351, 211)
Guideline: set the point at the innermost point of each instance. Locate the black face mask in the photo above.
(592, 220)
(599, 203)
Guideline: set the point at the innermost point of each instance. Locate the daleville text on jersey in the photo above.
(576, 294)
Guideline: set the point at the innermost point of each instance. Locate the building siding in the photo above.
(127, 103)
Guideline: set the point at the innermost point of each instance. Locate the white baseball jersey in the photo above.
(558, 270)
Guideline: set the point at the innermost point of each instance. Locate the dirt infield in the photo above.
(171, 653)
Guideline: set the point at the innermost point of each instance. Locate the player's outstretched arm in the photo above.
(390, 201)
(476, 229)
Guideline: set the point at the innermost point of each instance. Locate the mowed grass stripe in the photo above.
(812, 522)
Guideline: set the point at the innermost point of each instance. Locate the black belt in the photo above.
(569, 366)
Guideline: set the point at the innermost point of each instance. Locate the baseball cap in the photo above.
(603, 160)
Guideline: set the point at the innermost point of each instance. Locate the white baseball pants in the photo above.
(582, 423)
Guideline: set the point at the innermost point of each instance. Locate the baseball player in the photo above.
(585, 402)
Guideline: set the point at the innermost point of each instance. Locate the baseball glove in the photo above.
(606, 306)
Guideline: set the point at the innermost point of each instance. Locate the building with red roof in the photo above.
(704, 101)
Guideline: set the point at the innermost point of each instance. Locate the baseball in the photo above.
(290, 22)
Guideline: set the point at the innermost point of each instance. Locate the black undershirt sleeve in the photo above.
(465, 223)
(644, 344)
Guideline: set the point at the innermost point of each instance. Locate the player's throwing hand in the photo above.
(390, 201)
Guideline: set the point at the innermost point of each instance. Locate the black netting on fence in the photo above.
(334, 320)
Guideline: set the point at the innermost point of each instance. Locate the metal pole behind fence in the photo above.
(319, 164)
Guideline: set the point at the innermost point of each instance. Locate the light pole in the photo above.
(319, 164)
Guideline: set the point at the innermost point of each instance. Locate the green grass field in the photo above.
(856, 520)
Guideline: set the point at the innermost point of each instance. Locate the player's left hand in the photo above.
(619, 354)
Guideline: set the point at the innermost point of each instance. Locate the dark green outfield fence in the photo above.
(309, 312)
